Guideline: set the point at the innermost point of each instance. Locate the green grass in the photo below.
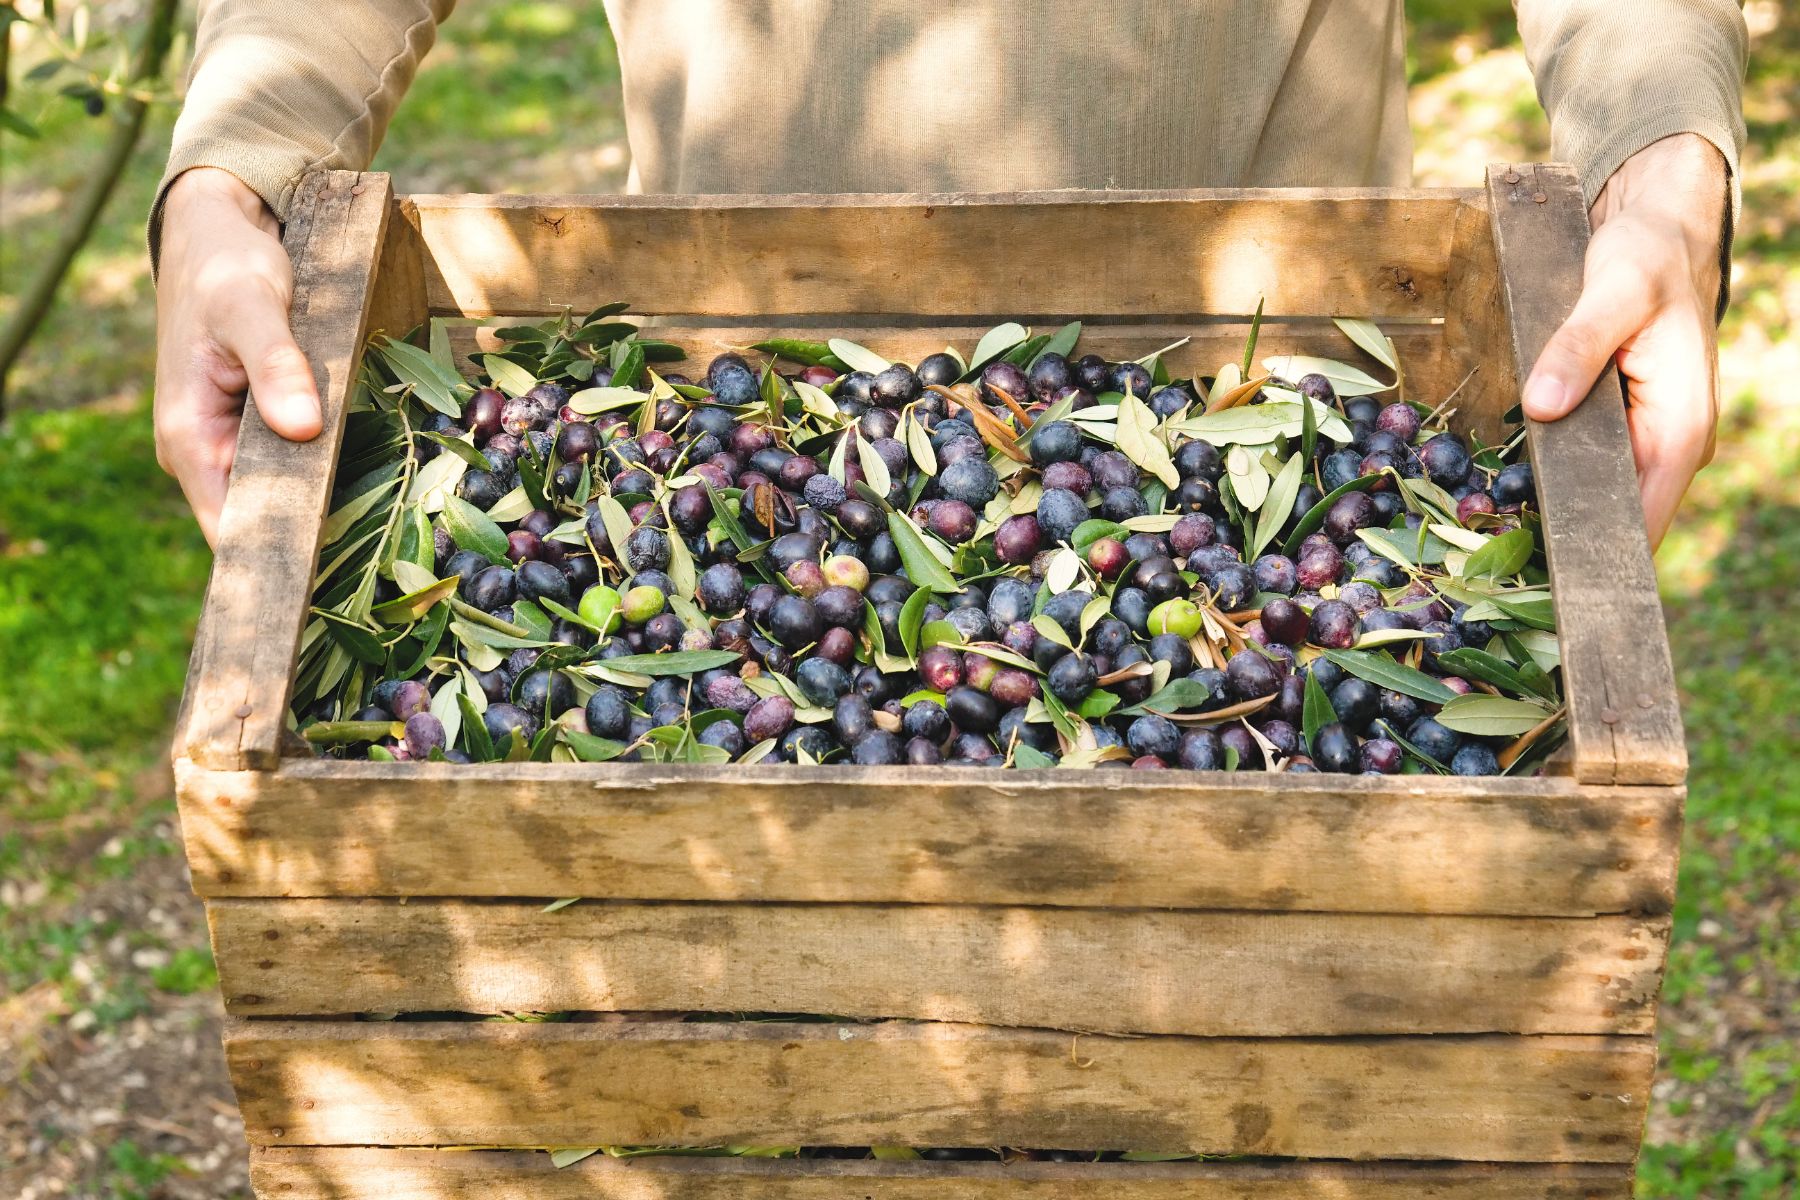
(101, 573)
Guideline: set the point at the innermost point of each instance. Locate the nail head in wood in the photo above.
(1610, 716)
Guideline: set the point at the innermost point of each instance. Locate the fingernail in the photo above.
(1546, 397)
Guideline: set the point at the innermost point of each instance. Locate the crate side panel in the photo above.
(370, 1174)
(1207, 974)
(1107, 839)
(1321, 253)
(1490, 1098)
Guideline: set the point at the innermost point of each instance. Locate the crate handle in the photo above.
(234, 711)
(1624, 718)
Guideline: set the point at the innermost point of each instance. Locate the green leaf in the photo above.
(993, 344)
(1250, 342)
(1492, 716)
(508, 375)
(1309, 431)
(1538, 614)
(12, 120)
(1028, 758)
(593, 401)
(1061, 342)
(1260, 424)
(414, 605)
(677, 662)
(628, 363)
(1178, 695)
(1092, 530)
(618, 523)
(1471, 663)
(463, 450)
(1317, 710)
(858, 358)
(1315, 516)
(589, 748)
(432, 382)
(1097, 704)
(358, 642)
(1387, 728)
(912, 619)
(1373, 342)
(1346, 380)
(474, 530)
(922, 566)
(476, 741)
(1383, 671)
(1278, 505)
(1022, 354)
(1502, 556)
(798, 350)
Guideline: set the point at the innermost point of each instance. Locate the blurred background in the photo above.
(111, 1082)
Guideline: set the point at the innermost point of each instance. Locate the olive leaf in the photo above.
(676, 662)
(1178, 695)
(919, 443)
(473, 529)
(1061, 342)
(1504, 555)
(1471, 663)
(508, 375)
(415, 604)
(994, 343)
(435, 481)
(922, 563)
(617, 522)
(1026, 758)
(463, 449)
(1256, 320)
(1345, 379)
(858, 358)
(1383, 671)
(512, 506)
(1279, 504)
(435, 384)
(1064, 569)
(593, 401)
(806, 353)
(1138, 440)
(874, 467)
(1248, 477)
(1261, 424)
(1492, 716)
(1316, 709)
(1376, 344)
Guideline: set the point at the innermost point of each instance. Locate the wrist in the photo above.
(209, 194)
(1679, 180)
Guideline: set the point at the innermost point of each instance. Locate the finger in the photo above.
(1615, 303)
(1667, 466)
(281, 382)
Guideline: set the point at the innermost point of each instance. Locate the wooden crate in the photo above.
(1425, 987)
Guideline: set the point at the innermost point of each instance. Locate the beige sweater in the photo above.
(978, 95)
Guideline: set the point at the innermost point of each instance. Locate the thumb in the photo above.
(1615, 303)
(280, 380)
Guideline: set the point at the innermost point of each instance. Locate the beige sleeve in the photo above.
(1616, 75)
(282, 87)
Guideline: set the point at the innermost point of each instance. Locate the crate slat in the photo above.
(268, 540)
(362, 1174)
(1205, 974)
(1399, 844)
(1349, 252)
(1624, 715)
(1483, 1098)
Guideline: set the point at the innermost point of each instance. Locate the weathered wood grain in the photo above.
(1332, 252)
(1475, 329)
(268, 538)
(1624, 716)
(1206, 974)
(1402, 844)
(363, 1174)
(1491, 1099)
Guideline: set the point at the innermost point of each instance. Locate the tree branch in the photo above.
(84, 211)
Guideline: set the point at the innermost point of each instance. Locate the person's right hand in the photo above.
(222, 298)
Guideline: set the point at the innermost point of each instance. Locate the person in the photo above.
(1644, 100)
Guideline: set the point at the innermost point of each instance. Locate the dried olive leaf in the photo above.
(1238, 394)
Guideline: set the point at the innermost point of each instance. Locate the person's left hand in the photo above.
(1649, 294)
